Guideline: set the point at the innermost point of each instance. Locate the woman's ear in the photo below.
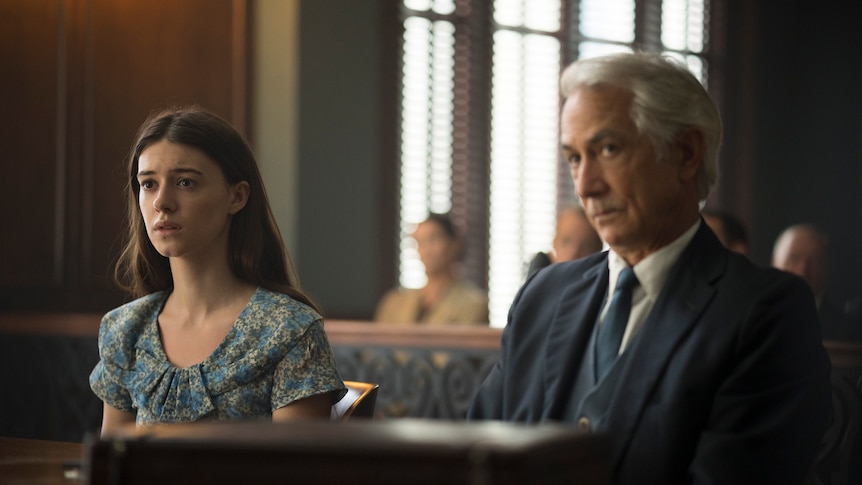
(239, 196)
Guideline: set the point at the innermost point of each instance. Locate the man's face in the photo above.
(802, 253)
(635, 202)
(437, 250)
(574, 238)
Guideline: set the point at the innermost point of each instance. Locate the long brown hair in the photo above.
(256, 250)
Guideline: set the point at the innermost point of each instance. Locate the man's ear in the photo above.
(691, 146)
(239, 196)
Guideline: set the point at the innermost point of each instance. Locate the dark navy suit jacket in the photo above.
(727, 380)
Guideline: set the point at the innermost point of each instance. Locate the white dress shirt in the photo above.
(652, 274)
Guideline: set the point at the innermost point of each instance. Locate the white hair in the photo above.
(666, 99)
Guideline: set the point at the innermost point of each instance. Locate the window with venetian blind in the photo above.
(479, 106)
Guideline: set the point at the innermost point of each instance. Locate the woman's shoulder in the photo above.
(267, 329)
(402, 297)
(400, 294)
(142, 305)
(401, 291)
(279, 310)
(122, 328)
(133, 314)
(466, 290)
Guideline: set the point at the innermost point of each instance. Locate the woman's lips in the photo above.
(166, 228)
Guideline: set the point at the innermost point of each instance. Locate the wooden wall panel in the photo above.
(31, 163)
(89, 72)
(145, 55)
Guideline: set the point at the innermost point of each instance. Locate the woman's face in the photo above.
(186, 202)
(438, 251)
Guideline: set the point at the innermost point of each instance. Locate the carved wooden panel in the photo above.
(428, 372)
(415, 382)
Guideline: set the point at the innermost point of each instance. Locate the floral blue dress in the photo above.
(275, 353)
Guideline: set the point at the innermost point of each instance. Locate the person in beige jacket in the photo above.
(446, 299)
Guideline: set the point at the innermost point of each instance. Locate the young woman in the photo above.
(220, 329)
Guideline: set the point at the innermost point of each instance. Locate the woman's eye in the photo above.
(147, 184)
(185, 183)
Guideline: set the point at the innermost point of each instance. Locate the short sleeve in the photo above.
(307, 369)
(119, 334)
(109, 390)
(105, 377)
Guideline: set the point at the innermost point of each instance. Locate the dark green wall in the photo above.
(339, 153)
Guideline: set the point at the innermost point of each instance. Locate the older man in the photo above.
(699, 366)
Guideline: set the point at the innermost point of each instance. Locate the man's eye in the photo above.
(609, 150)
(573, 159)
(185, 183)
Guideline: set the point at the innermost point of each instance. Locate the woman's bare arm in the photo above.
(317, 406)
(113, 418)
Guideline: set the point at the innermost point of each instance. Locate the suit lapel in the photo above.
(687, 292)
(569, 334)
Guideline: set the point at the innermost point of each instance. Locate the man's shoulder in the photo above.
(708, 259)
(741, 271)
(583, 267)
(539, 297)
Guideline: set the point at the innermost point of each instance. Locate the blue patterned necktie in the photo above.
(613, 326)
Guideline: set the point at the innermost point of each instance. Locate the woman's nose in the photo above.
(163, 201)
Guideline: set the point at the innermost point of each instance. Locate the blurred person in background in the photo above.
(574, 238)
(730, 230)
(446, 298)
(802, 249)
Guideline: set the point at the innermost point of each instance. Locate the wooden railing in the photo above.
(424, 372)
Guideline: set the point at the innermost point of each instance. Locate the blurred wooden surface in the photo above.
(38, 462)
(385, 452)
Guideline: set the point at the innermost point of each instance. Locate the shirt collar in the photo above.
(652, 271)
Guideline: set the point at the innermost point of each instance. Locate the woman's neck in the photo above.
(201, 290)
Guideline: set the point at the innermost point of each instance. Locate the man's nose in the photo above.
(588, 177)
